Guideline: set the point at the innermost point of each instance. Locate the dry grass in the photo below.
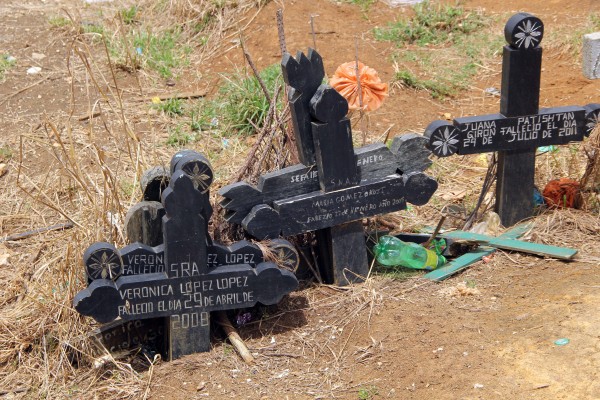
(84, 170)
(87, 171)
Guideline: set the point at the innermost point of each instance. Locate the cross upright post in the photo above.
(520, 95)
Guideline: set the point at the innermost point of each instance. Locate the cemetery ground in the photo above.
(122, 88)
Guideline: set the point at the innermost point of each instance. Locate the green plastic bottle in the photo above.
(392, 252)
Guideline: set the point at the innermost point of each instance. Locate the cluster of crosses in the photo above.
(181, 280)
(174, 272)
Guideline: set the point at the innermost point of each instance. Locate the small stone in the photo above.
(478, 386)
(38, 56)
(34, 70)
(522, 316)
(3, 169)
(492, 91)
(170, 82)
(201, 386)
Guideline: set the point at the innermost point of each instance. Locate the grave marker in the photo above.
(520, 127)
(335, 186)
(591, 55)
(187, 276)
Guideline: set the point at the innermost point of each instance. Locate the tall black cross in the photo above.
(520, 127)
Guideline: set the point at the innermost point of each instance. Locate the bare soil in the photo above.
(408, 339)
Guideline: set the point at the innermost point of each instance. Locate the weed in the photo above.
(59, 21)
(179, 138)
(129, 15)
(432, 24)
(5, 153)
(227, 349)
(364, 5)
(205, 118)
(161, 52)
(245, 105)
(6, 62)
(461, 43)
(436, 88)
(470, 283)
(595, 20)
(172, 107)
(397, 273)
(128, 188)
(367, 393)
(93, 28)
(195, 122)
(569, 39)
(205, 21)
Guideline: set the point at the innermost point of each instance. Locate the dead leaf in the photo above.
(454, 195)
(4, 260)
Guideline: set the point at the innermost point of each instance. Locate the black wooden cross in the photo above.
(187, 276)
(335, 186)
(520, 127)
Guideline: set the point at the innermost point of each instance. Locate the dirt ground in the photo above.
(409, 339)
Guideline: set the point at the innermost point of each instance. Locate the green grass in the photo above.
(227, 349)
(204, 22)
(180, 138)
(436, 88)
(161, 52)
(220, 117)
(431, 24)
(93, 28)
(364, 5)
(204, 118)
(595, 21)
(569, 38)
(367, 393)
(441, 48)
(172, 107)
(59, 21)
(127, 187)
(5, 65)
(129, 15)
(5, 153)
(240, 103)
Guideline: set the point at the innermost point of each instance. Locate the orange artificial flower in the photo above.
(373, 90)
